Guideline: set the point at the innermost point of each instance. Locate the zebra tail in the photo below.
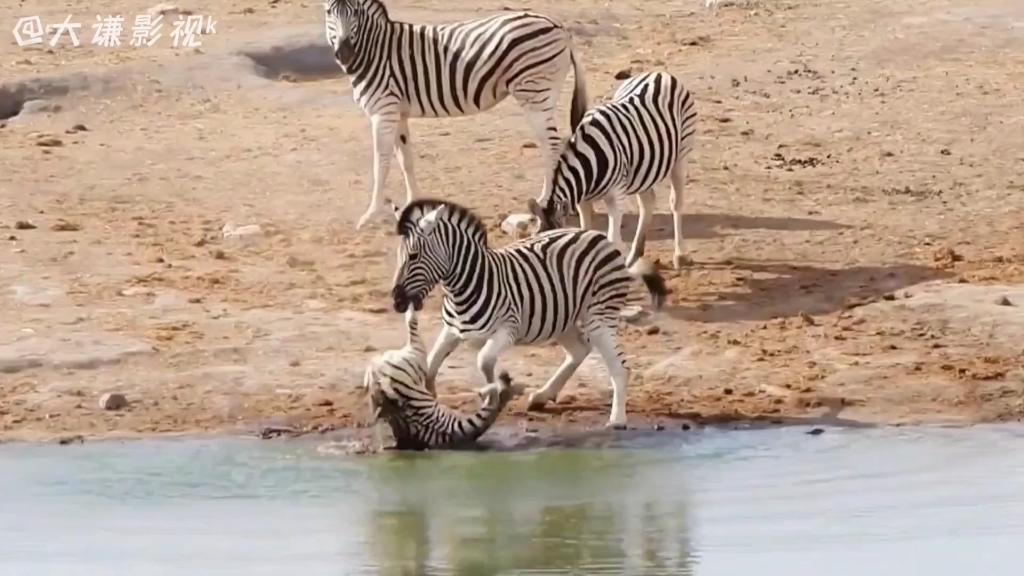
(653, 281)
(580, 102)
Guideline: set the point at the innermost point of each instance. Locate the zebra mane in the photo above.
(372, 7)
(409, 218)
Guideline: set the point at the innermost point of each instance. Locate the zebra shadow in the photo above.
(708, 225)
(784, 290)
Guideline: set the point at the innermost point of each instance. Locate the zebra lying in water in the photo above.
(394, 381)
(622, 148)
(400, 71)
(569, 286)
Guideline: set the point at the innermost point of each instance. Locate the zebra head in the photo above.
(422, 257)
(551, 215)
(345, 24)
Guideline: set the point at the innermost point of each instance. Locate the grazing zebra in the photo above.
(395, 381)
(569, 286)
(626, 147)
(400, 71)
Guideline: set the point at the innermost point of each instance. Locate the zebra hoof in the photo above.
(680, 261)
(614, 426)
(537, 403)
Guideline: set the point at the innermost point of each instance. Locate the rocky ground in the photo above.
(854, 212)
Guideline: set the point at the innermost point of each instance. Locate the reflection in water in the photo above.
(885, 502)
(548, 512)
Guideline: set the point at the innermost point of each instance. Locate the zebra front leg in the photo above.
(447, 341)
(403, 146)
(602, 337)
(539, 107)
(586, 210)
(499, 343)
(576, 351)
(645, 200)
(612, 205)
(678, 177)
(384, 125)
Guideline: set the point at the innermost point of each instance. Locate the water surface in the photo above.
(848, 502)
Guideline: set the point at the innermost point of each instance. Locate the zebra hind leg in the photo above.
(678, 177)
(576, 351)
(603, 339)
(539, 105)
(645, 200)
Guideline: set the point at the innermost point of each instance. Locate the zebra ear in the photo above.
(394, 208)
(428, 222)
(534, 207)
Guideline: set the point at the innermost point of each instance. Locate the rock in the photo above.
(1003, 301)
(815, 431)
(230, 231)
(76, 129)
(113, 401)
(38, 106)
(518, 225)
(623, 74)
(165, 8)
(24, 225)
(65, 226)
(652, 330)
(49, 142)
(136, 291)
(75, 439)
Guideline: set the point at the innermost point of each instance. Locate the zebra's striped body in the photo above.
(396, 381)
(400, 71)
(569, 286)
(623, 148)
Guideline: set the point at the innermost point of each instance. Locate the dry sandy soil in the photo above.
(854, 213)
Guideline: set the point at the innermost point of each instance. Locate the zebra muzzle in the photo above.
(344, 53)
(401, 300)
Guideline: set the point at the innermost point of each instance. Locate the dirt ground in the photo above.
(854, 212)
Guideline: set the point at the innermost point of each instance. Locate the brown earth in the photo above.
(854, 212)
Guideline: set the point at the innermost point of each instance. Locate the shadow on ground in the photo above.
(295, 62)
(706, 225)
(786, 290)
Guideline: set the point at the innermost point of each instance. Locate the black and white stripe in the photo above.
(566, 285)
(623, 148)
(397, 386)
(400, 71)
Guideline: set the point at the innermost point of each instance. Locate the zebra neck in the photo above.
(472, 270)
(373, 46)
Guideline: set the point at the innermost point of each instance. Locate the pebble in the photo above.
(249, 230)
(816, 431)
(113, 401)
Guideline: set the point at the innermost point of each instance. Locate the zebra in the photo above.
(622, 148)
(568, 285)
(400, 71)
(395, 381)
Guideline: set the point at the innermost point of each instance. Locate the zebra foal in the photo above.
(568, 285)
(395, 382)
(400, 71)
(623, 148)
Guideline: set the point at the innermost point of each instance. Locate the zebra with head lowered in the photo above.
(395, 381)
(401, 71)
(622, 148)
(565, 285)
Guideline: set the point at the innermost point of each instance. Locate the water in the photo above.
(848, 502)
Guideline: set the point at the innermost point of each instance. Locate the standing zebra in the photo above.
(401, 71)
(569, 286)
(395, 381)
(622, 148)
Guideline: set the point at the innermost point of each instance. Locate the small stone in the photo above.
(75, 439)
(369, 348)
(807, 318)
(652, 330)
(295, 363)
(945, 152)
(623, 74)
(296, 262)
(195, 300)
(232, 231)
(136, 291)
(113, 401)
(79, 128)
(889, 297)
(658, 427)
(529, 145)
(218, 254)
(686, 426)
(1003, 301)
(324, 402)
(49, 142)
(815, 431)
(65, 226)
(24, 225)
(727, 391)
